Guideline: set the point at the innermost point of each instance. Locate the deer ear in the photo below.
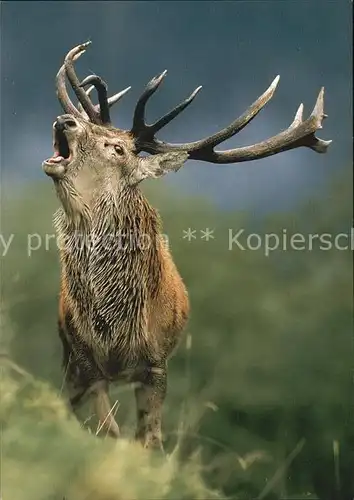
(158, 165)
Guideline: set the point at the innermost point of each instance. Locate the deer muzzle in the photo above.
(55, 166)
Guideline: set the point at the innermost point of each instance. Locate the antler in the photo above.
(98, 114)
(104, 103)
(140, 128)
(299, 133)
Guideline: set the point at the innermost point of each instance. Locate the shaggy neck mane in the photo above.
(110, 255)
(109, 207)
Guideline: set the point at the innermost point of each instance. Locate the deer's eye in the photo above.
(118, 149)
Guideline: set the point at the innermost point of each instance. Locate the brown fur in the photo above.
(121, 310)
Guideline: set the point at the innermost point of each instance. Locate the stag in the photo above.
(123, 306)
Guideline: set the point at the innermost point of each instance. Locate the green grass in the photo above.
(46, 454)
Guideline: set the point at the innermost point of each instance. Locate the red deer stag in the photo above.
(122, 305)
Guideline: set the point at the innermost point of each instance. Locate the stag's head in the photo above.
(86, 150)
(88, 147)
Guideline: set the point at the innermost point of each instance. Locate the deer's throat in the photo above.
(111, 264)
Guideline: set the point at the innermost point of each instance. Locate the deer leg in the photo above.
(150, 396)
(73, 382)
(103, 408)
(98, 391)
(84, 381)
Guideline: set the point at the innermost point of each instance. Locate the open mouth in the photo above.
(61, 157)
(61, 148)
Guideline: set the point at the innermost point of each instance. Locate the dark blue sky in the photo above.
(233, 49)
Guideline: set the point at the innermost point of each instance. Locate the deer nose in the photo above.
(64, 122)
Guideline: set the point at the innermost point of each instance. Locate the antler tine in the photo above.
(139, 125)
(111, 100)
(141, 130)
(79, 105)
(89, 108)
(117, 97)
(101, 87)
(240, 122)
(299, 133)
(168, 117)
(63, 95)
